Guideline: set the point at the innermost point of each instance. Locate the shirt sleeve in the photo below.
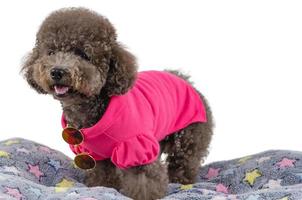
(139, 150)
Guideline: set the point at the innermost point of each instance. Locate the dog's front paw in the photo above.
(146, 182)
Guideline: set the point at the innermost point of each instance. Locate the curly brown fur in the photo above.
(93, 66)
(83, 44)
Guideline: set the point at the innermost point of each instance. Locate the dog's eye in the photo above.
(81, 53)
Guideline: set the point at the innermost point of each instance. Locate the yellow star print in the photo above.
(4, 154)
(186, 187)
(250, 177)
(244, 159)
(284, 198)
(64, 185)
(10, 142)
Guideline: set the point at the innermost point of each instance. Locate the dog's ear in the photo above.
(122, 71)
(27, 70)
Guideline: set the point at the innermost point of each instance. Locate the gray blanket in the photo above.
(32, 171)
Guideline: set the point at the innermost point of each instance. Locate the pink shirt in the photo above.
(129, 132)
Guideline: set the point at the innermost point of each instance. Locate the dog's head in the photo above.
(76, 54)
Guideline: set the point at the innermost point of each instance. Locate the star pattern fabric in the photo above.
(267, 174)
(35, 170)
(212, 173)
(23, 150)
(244, 159)
(285, 162)
(263, 159)
(4, 154)
(186, 187)
(251, 177)
(253, 197)
(45, 149)
(2, 178)
(232, 197)
(299, 175)
(273, 184)
(11, 169)
(73, 195)
(219, 198)
(56, 164)
(14, 192)
(228, 172)
(284, 198)
(221, 188)
(36, 191)
(64, 185)
(17, 169)
(11, 142)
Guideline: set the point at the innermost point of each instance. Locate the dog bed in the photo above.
(32, 171)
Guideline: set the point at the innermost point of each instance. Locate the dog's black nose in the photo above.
(57, 74)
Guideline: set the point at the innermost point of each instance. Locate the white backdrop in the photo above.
(245, 56)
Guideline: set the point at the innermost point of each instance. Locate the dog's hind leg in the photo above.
(186, 150)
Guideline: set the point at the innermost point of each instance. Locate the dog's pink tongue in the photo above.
(61, 89)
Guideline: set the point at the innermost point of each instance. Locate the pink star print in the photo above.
(34, 169)
(285, 162)
(221, 188)
(212, 172)
(42, 148)
(13, 192)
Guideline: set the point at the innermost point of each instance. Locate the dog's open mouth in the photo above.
(61, 90)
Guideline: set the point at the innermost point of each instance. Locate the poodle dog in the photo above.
(78, 61)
